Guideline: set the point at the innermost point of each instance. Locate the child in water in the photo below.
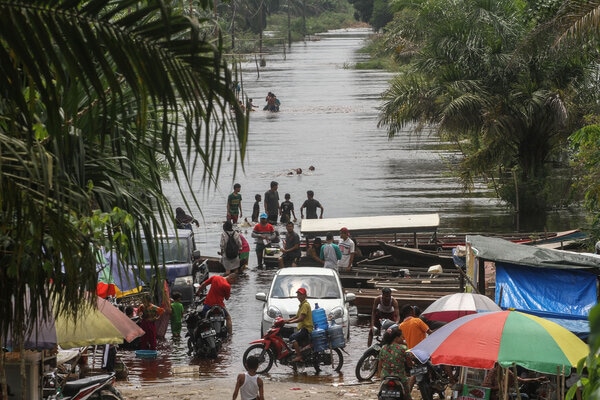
(256, 208)
(176, 315)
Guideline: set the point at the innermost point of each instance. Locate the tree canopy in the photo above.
(99, 100)
(489, 82)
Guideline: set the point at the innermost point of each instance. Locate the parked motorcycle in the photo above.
(431, 378)
(391, 388)
(272, 348)
(98, 387)
(366, 368)
(206, 331)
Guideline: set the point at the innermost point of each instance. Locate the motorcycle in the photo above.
(199, 268)
(206, 331)
(391, 388)
(98, 387)
(272, 252)
(431, 378)
(366, 368)
(272, 348)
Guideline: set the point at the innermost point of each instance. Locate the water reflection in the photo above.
(173, 364)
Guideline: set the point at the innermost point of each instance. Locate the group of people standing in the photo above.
(273, 102)
(264, 231)
(339, 256)
(284, 211)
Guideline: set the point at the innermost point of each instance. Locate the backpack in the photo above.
(232, 250)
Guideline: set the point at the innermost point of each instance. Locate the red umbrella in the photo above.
(456, 305)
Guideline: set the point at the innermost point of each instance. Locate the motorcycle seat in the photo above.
(73, 387)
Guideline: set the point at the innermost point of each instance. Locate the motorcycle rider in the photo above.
(263, 233)
(220, 290)
(305, 323)
(384, 307)
(393, 358)
(414, 330)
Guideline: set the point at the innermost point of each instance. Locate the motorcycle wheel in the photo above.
(366, 368)
(426, 389)
(336, 364)
(107, 392)
(265, 357)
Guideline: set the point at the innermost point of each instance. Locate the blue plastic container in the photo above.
(319, 318)
(336, 335)
(319, 340)
(146, 353)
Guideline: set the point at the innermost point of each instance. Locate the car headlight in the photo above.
(274, 312)
(336, 312)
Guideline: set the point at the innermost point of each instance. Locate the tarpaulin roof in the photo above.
(564, 292)
(495, 249)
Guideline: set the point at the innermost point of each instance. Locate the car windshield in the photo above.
(317, 286)
(171, 250)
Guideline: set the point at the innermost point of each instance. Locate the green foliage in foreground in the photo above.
(589, 368)
(98, 97)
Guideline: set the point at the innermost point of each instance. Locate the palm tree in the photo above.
(576, 20)
(100, 98)
(503, 105)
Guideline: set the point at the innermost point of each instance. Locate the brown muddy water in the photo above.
(328, 120)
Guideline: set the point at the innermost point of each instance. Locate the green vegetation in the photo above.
(99, 97)
(492, 79)
(244, 24)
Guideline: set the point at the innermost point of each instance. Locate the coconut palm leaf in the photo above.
(99, 100)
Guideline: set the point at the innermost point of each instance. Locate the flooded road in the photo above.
(328, 120)
(175, 366)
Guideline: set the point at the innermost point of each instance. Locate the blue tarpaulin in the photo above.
(558, 285)
(564, 296)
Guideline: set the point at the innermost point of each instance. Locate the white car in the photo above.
(323, 287)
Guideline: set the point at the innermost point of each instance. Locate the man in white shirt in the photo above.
(346, 246)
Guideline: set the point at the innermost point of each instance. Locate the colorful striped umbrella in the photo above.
(506, 337)
(102, 325)
(114, 279)
(456, 305)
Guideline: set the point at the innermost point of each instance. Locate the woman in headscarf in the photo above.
(393, 357)
(183, 220)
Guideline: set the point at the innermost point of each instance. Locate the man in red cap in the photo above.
(305, 324)
(347, 246)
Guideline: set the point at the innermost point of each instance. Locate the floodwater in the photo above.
(328, 120)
